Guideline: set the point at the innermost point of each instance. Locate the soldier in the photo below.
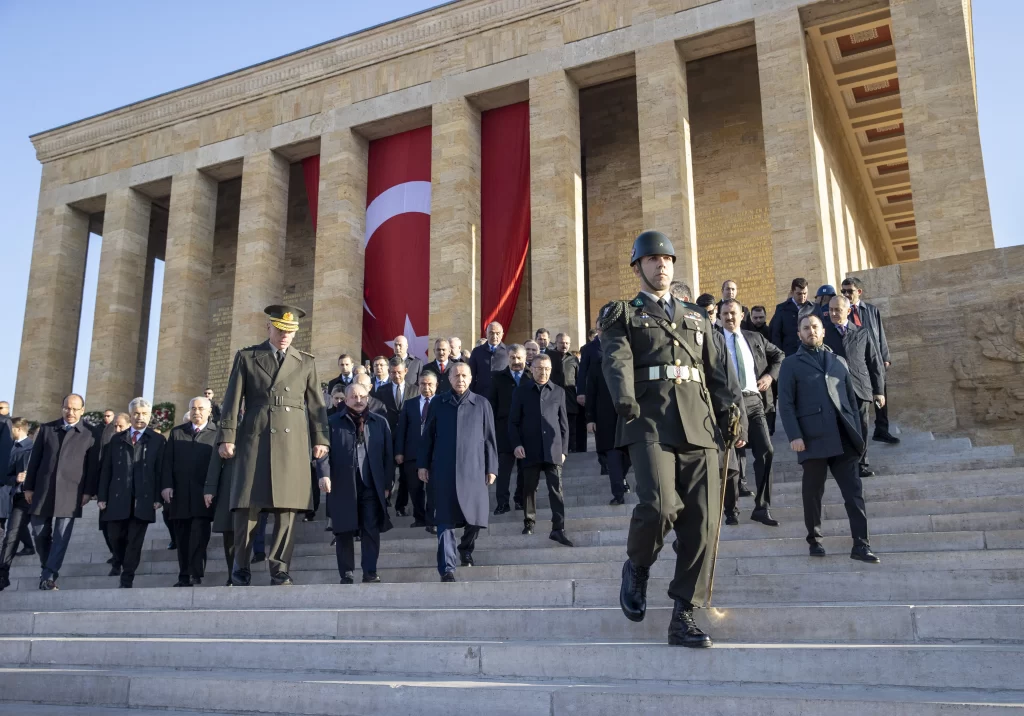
(668, 387)
(284, 416)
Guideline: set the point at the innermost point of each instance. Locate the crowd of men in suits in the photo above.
(428, 438)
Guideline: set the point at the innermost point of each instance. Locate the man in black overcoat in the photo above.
(441, 366)
(818, 409)
(601, 423)
(62, 474)
(357, 475)
(407, 444)
(503, 385)
(190, 447)
(217, 497)
(783, 326)
(488, 358)
(393, 395)
(129, 492)
(17, 468)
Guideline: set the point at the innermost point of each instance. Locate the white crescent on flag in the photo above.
(410, 197)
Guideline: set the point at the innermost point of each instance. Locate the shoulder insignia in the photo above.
(638, 302)
(307, 354)
(610, 313)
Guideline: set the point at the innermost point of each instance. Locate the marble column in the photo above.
(455, 221)
(260, 270)
(183, 347)
(53, 309)
(556, 206)
(797, 190)
(935, 62)
(340, 249)
(666, 166)
(120, 301)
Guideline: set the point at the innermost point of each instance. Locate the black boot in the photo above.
(633, 593)
(683, 630)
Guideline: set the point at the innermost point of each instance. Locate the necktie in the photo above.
(135, 437)
(856, 316)
(398, 396)
(442, 367)
(280, 358)
(741, 366)
(67, 428)
(666, 307)
(423, 413)
(842, 330)
(196, 430)
(516, 376)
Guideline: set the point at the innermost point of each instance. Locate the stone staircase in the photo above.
(535, 627)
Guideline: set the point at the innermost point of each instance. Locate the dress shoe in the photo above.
(400, 513)
(370, 578)
(683, 630)
(731, 520)
(418, 523)
(112, 560)
(125, 586)
(448, 577)
(863, 553)
(633, 592)
(197, 581)
(183, 583)
(745, 491)
(866, 471)
(239, 581)
(816, 550)
(115, 571)
(604, 470)
(283, 581)
(348, 578)
(229, 583)
(675, 546)
(626, 488)
(334, 541)
(48, 585)
(618, 501)
(328, 527)
(764, 517)
(431, 529)
(310, 517)
(502, 509)
(30, 550)
(528, 529)
(259, 557)
(4, 583)
(886, 438)
(467, 560)
(172, 545)
(559, 536)
(519, 505)
(357, 538)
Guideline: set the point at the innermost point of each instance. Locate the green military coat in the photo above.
(640, 347)
(284, 417)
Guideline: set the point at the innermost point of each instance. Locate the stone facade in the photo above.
(706, 119)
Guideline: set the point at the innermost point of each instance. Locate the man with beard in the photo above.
(503, 385)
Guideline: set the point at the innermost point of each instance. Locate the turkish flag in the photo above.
(396, 286)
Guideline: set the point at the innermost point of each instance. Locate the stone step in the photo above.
(897, 624)
(131, 691)
(906, 665)
(27, 709)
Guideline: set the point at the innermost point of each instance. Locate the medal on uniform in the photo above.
(700, 339)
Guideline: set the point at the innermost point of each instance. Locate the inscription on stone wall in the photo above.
(736, 244)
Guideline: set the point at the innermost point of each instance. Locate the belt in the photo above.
(678, 373)
(277, 400)
(750, 392)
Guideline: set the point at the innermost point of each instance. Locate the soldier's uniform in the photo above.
(284, 417)
(671, 391)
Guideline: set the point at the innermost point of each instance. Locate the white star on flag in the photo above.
(418, 345)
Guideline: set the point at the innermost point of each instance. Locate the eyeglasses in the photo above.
(846, 291)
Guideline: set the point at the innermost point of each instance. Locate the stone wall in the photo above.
(730, 189)
(300, 248)
(222, 284)
(955, 328)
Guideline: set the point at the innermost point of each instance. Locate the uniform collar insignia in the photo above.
(638, 302)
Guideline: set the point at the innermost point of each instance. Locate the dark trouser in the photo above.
(769, 416)
(192, 537)
(229, 550)
(446, 546)
(422, 510)
(759, 443)
(506, 461)
(581, 431)
(882, 417)
(572, 432)
(280, 554)
(128, 537)
(316, 490)
(844, 470)
(168, 524)
(553, 476)
(732, 483)
(403, 494)
(18, 520)
(618, 465)
(259, 537)
(369, 535)
(106, 538)
(678, 489)
(865, 409)
(52, 535)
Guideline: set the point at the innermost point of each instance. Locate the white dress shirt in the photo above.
(736, 341)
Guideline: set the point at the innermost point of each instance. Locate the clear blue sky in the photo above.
(65, 60)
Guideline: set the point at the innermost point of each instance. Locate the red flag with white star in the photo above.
(396, 287)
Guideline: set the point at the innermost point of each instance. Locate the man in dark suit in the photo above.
(413, 364)
(601, 422)
(186, 461)
(455, 344)
(346, 373)
(503, 385)
(538, 427)
(818, 408)
(457, 452)
(588, 352)
(783, 329)
(568, 380)
(379, 376)
(729, 291)
(865, 314)
(357, 475)
(757, 363)
(407, 443)
(542, 337)
(488, 358)
(214, 408)
(129, 491)
(758, 321)
(441, 365)
(858, 348)
(393, 396)
(17, 467)
(373, 404)
(63, 471)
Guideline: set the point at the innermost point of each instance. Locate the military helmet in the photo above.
(651, 243)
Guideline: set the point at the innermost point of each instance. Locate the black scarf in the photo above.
(359, 420)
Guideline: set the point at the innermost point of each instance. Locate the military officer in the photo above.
(671, 393)
(284, 416)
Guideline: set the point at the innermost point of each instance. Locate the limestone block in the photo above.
(455, 220)
(262, 228)
(183, 348)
